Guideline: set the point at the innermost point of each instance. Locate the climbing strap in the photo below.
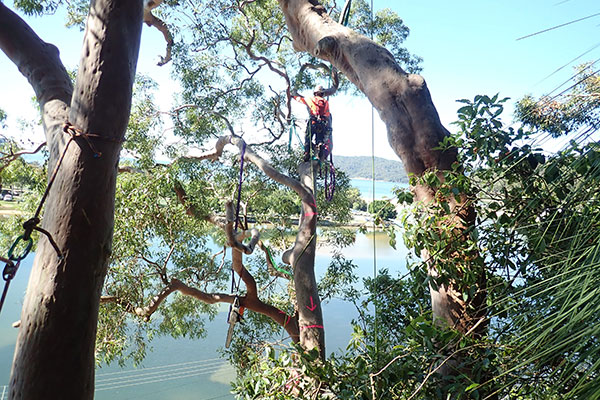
(294, 132)
(278, 268)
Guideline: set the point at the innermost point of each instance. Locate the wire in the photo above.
(157, 367)
(570, 62)
(151, 378)
(373, 208)
(146, 375)
(558, 26)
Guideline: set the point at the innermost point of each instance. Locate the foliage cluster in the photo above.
(536, 235)
(382, 210)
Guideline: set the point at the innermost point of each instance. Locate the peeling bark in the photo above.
(54, 356)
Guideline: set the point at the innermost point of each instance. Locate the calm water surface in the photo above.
(180, 369)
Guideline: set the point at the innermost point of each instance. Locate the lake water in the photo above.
(180, 369)
(383, 190)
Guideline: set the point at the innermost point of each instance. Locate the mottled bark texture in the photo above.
(54, 357)
(405, 106)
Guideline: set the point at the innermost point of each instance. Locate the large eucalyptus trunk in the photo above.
(54, 357)
(413, 125)
(310, 315)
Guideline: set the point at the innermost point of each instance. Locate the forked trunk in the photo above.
(54, 357)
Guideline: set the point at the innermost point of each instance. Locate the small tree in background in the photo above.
(383, 209)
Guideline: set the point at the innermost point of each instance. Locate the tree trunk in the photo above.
(54, 357)
(405, 106)
(310, 314)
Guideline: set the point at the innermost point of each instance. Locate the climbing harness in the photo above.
(13, 261)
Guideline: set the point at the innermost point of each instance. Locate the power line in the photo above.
(173, 376)
(145, 375)
(558, 26)
(572, 61)
(158, 367)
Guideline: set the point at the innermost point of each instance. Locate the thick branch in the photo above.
(63, 294)
(37, 60)
(175, 285)
(40, 63)
(151, 20)
(250, 301)
(234, 239)
(402, 100)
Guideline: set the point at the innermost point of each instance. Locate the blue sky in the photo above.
(469, 47)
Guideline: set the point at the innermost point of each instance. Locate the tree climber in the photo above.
(318, 126)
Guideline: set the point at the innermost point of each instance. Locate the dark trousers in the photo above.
(318, 135)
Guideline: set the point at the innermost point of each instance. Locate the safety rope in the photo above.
(237, 214)
(373, 198)
(239, 191)
(234, 315)
(13, 261)
(345, 15)
(330, 183)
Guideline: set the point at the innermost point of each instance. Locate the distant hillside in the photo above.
(361, 167)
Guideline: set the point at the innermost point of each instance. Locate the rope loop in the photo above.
(75, 133)
(29, 227)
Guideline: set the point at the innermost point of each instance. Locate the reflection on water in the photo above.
(192, 369)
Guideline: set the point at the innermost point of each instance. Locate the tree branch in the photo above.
(37, 60)
(193, 211)
(10, 157)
